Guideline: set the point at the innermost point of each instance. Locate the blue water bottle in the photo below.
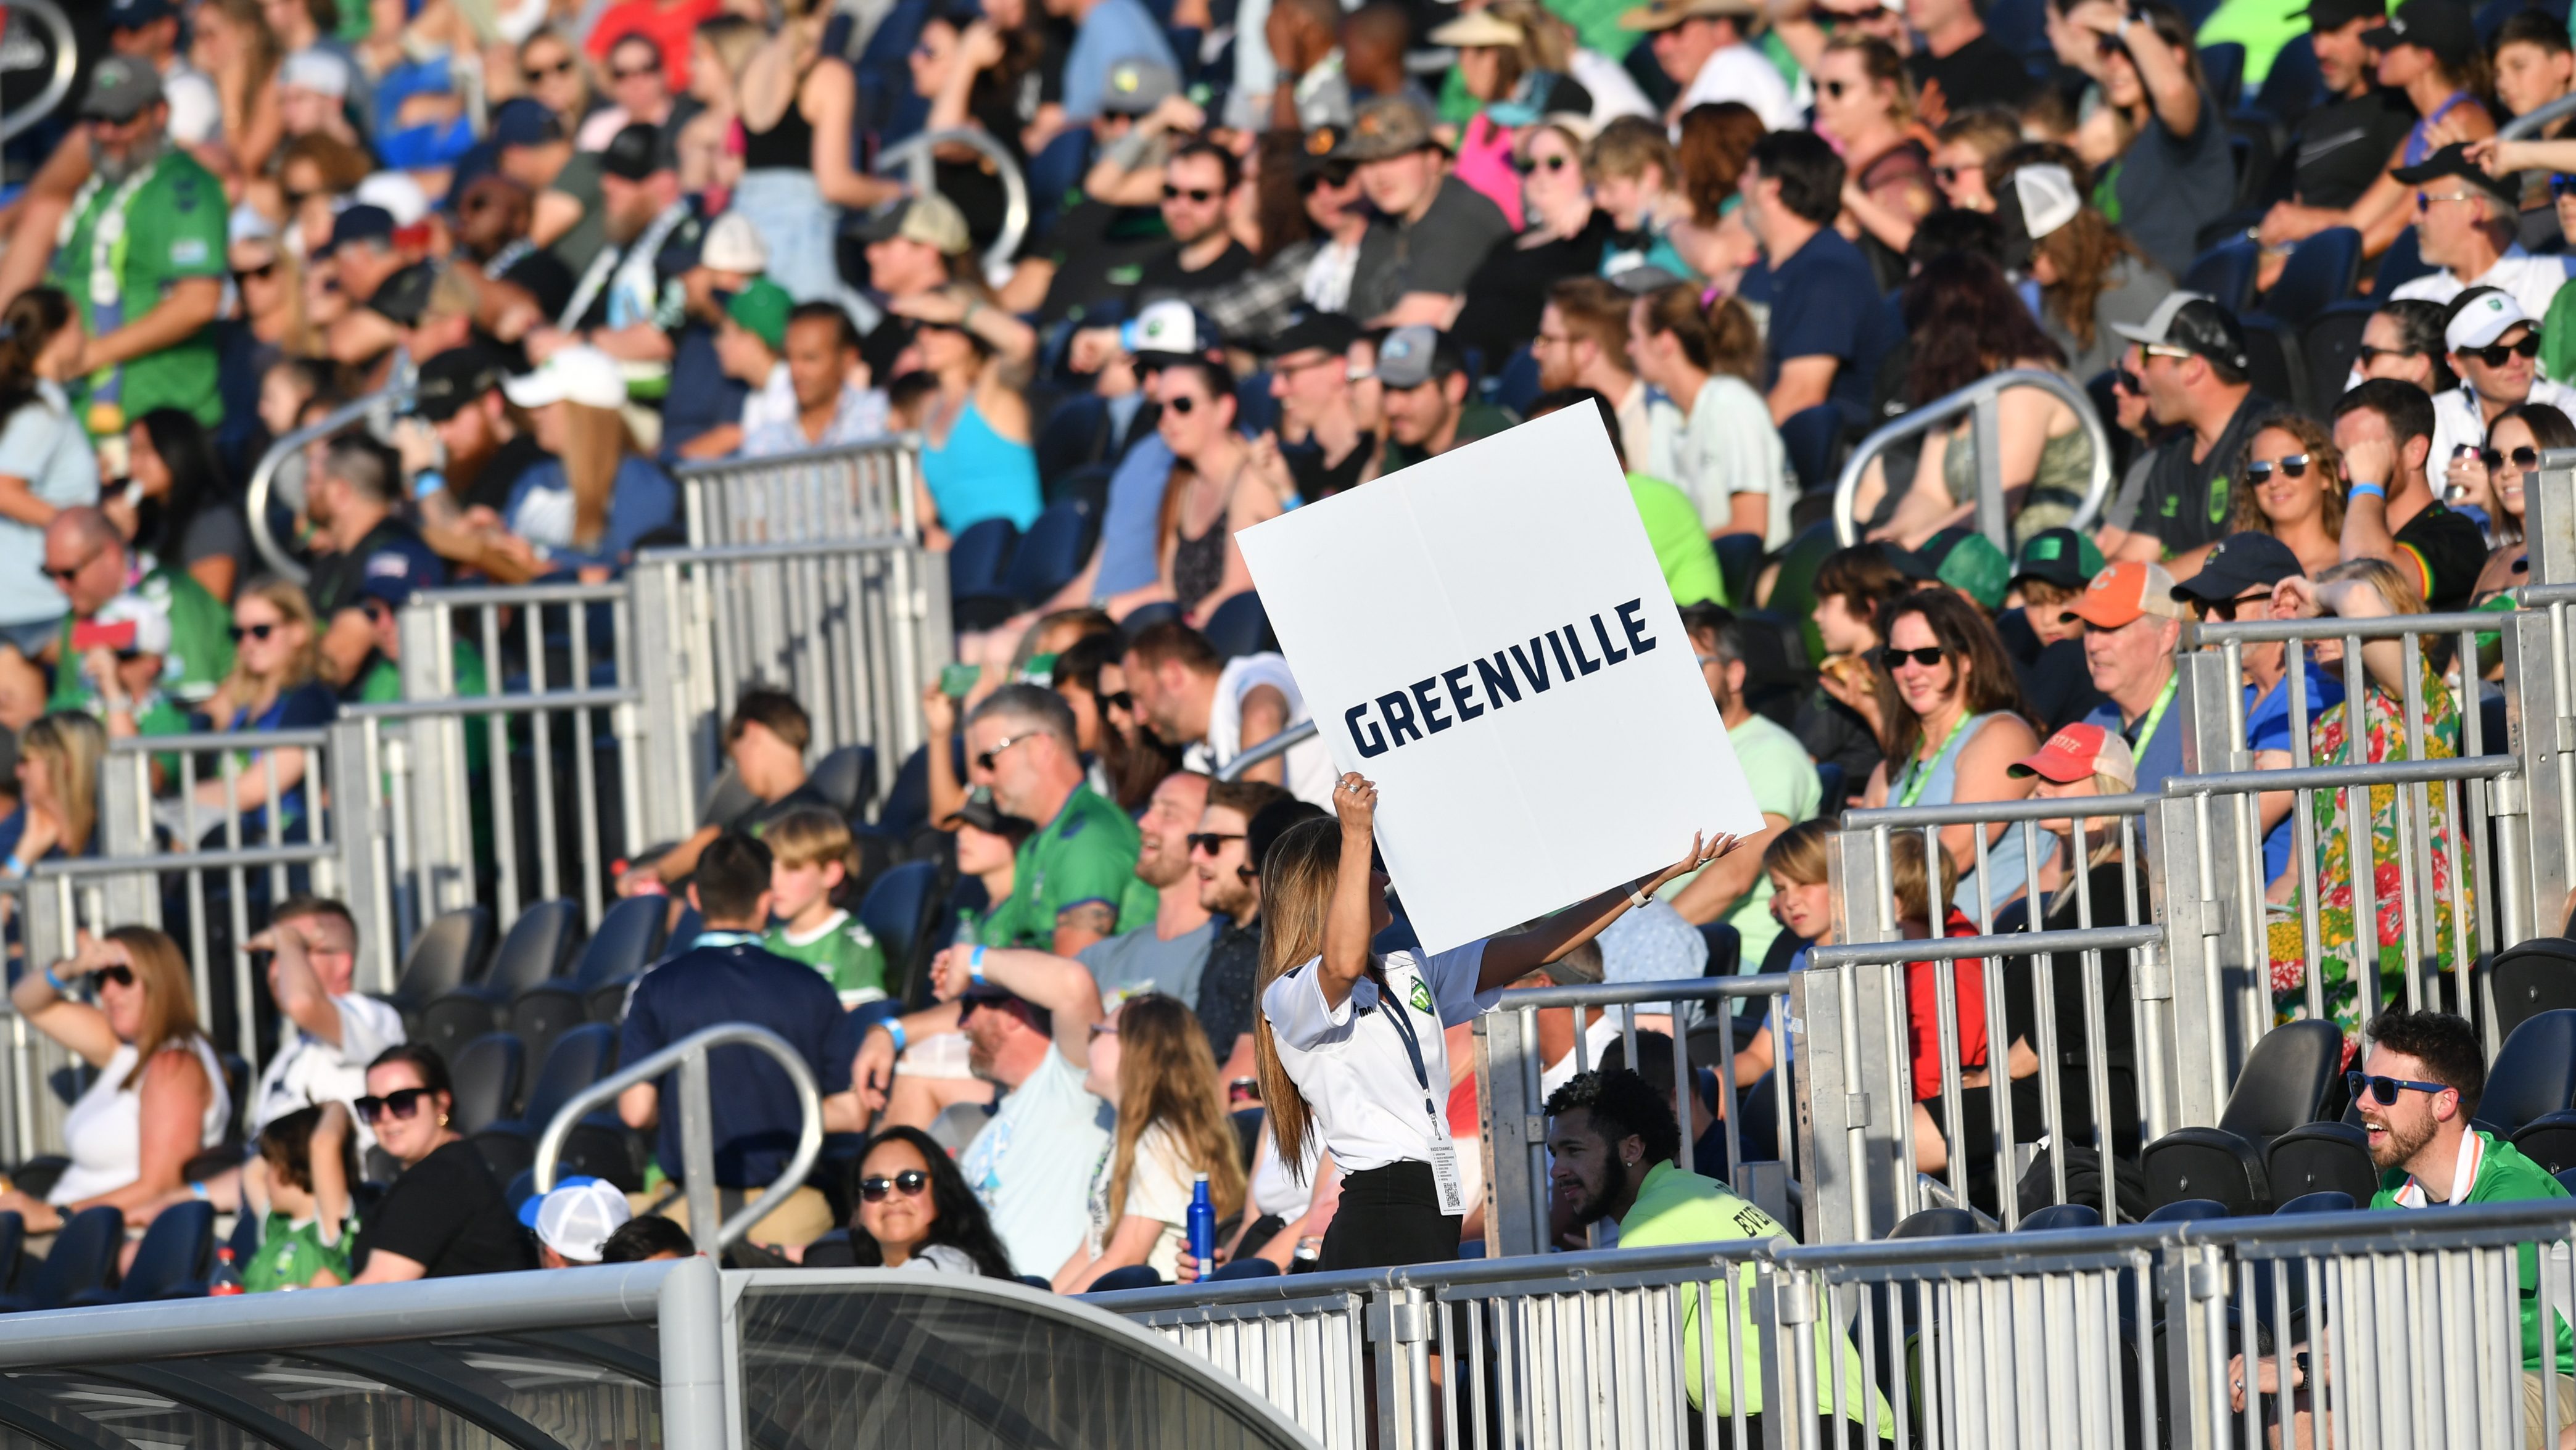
(1202, 1227)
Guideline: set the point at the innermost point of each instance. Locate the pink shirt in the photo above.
(1485, 163)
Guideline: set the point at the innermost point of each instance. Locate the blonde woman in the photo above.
(275, 685)
(587, 506)
(235, 47)
(1152, 1061)
(58, 764)
(158, 1099)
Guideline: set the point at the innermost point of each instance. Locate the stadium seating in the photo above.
(450, 951)
(173, 1261)
(628, 940)
(82, 1260)
(539, 945)
(2283, 1085)
(486, 1072)
(2530, 978)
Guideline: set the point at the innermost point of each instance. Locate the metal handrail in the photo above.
(1980, 397)
(262, 477)
(914, 155)
(2530, 121)
(66, 66)
(697, 1130)
(1270, 749)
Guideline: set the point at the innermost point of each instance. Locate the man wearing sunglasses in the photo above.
(1073, 882)
(2190, 358)
(1242, 819)
(1203, 254)
(2131, 624)
(2468, 226)
(87, 559)
(2415, 1092)
(2236, 583)
(2494, 346)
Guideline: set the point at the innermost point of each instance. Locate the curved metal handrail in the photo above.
(913, 155)
(66, 66)
(1980, 396)
(1277, 745)
(2523, 125)
(265, 475)
(697, 1145)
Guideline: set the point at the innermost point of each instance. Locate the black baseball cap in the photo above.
(2240, 564)
(361, 223)
(2453, 160)
(2194, 322)
(134, 14)
(525, 122)
(634, 153)
(456, 378)
(980, 812)
(2061, 557)
(404, 296)
(1330, 331)
(2336, 14)
(2440, 26)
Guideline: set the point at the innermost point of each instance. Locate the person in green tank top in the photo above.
(300, 1189)
(141, 253)
(91, 564)
(811, 856)
(1072, 878)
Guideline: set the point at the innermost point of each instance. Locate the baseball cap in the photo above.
(934, 221)
(128, 624)
(120, 89)
(1387, 126)
(2074, 753)
(2046, 195)
(134, 14)
(1136, 85)
(2482, 319)
(2120, 594)
(1477, 27)
(1665, 14)
(1167, 329)
(404, 296)
(1905, 561)
(733, 244)
(2061, 557)
(364, 222)
(2336, 14)
(761, 309)
(1320, 152)
(2240, 564)
(1414, 355)
(318, 70)
(1971, 563)
(1330, 331)
(525, 122)
(455, 378)
(633, 153)
(579, 374)
(2440, 26)
(577, 1217)
(397, 193)
(2194, 322)
(2453, 160)
(980, 812)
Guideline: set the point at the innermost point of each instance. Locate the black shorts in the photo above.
(1390, 1216)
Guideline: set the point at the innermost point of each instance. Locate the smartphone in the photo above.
(956, 680)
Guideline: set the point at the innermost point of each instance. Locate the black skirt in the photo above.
(1390, 1216)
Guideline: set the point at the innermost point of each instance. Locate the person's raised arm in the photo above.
(299, 992)
(330, 1171)
(40, 997)
(830, 96)
(1346, 919)
(2384, 659)
(2160, 71)
(1264, 714)
(1515, 955)
(979, 48)
(1061, 985)
(1715, 891)
(2371, 468)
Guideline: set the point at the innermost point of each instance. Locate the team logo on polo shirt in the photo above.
(1421, 997)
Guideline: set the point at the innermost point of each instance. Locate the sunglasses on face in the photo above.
(2523, 458)
(1336, 176)
(2561, 184)
(1927, 657)
(2128, 382)
(911, 1183)
(376, 610)
(260, 273)
(986, 758)
(2384, 1090)
(1118, 700)
(1211, 841)
(117, 974)
(1181, 403)
(2259, 472)
(259, 632)
(537, 73)
(64, 577)
(636, 74)
(1199, 194)
(1949, 175)
(401, 1104)
(1549, 164)
(2370, 354)
(1834, 89)
(2495, 356)
(2224, 610)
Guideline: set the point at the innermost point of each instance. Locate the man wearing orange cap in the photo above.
(2131, 625)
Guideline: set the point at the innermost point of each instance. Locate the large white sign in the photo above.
(1488, 637)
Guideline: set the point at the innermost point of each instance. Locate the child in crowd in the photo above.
(811, 858)
(311, 1159)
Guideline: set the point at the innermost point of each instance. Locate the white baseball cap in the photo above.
(2047, 196)
(577, 1217)
(397, 193)
(315, 69)
(2482, 319)
(578, 374)
(733, 244)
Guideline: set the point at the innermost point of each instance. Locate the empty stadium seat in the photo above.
(1052, 551)
(2186, 1210)
(2331, 343)
(847, 777)
(1131, 1276)
(172, 1262)
(2324, 1200)
(2283, 1086)
(2226, 274)
(486, 1072)
(539, 945)
(897, 911)
(1936, 1223)
(1240, 626)
(2532, 977)
(1725, 949)
(2321, 1157)
(2533, 1075)
(82, 1259)
(598, 1146)
(2273, 362)
(2223, 67)
(2318, 274)
(629, 939)
(449, 952)
(1074, 436)
(976, 558)
(2062, 1215)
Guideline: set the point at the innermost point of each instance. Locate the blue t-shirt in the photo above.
(2158, 756)
(727, 977)
(1131, 525)
(1115, 30)
(541, 511)
(45, 445)
(702, 396)
(2268, 727)
(1825, 302)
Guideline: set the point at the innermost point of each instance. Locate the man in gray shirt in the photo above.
(1168, 953)
(1431, 230)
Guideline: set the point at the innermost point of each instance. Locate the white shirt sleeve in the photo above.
(367, 1028)
(1158, 1186)
(196, 115)
(1452, 975)
(1297, 1012)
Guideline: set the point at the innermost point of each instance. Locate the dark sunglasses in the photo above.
(261, 272)
(2224, 610)
(1199, 194)
(1834, 89)
(402, 1104)
(2495, 356)
(1337, 175)
(376, 610)
(1549, 164)
(2384, 1090)
(259, 632)
(1927, 656)
(2562, 184)
(2129, 382)
(534, 72)
(1212, 841)
(119, 973)
(1949, 175)
(910, 1182)
(2259, 471)
(2525, 458)
(1184, 404)
(2369, 354)
(1119, 700)
(64, 576)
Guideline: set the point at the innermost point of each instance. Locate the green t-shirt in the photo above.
(291, 1253)
(842, 950)
(201, 645)
(1673, 1208)
(2261, 26)
(2558, 337)
(2504, 1176)
(1476, 420)
(579, 179)
(1087, 853)
(1682, 551)
(174, 225)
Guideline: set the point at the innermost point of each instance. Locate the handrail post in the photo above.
(1987, 421)
(2549, 519)
(441, 850)
(1978, 398)
(689, 1324)
(125, 829)
(698, 1154)
(357, 835)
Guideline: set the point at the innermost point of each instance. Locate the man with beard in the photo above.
(143, 259)
(1228, 872)
(359, 535)
(524, 284)
(1167, 953)
(1612, 1139)
(631, 295)
(2416, 1093)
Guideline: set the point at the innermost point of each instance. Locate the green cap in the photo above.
(761, 309)
(1970, 562)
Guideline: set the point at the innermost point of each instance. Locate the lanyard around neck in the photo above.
(1920, 773)
(1401, 1016)
(2147, 727)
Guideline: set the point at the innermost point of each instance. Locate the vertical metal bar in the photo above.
(698, 1153)
(690, 1321)
(585, 722)
(496, 735)
(541, 771)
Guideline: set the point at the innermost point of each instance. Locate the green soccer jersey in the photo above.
(124, 248)
(291, 1253)
(842, 950)
(2499, 1174)
(1086, 854)
(201, 645)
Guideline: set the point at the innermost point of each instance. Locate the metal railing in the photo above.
(916, 156)
(1267, 750)
(375, 411)
(863, 490)
(1980, 399)
(697, 1126)
(65, 45)
(2530, 122)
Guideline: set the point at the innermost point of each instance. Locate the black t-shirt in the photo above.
(1162, 272)
(2068, 974)
(2452, 552)
(1226, 983)
(757, 819)
(543, 274)
(1983, 72)
(500, 472)
(448, 1213)
(1318, 480)
(391, 550)
(2187, 503)
(1099, 252)
(1508, 289)
(2342, 148)
(880, 345)
(1835, 734)
(2055, 684)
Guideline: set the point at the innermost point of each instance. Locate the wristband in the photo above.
(1638, 898)
(197, 1190)
(427, 482)
(894, 1030)
(14, 866)
(2374, 490)
(61, 988)
(975, 965)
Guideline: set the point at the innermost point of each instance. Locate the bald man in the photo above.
(87, 559)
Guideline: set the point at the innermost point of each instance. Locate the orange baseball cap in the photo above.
(2080, 752)
(2126, 590)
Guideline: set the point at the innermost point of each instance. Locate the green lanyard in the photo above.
(1919, 774)
(2155, 717)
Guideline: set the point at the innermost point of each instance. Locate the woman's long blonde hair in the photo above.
(1296, 895)
(70, 745)
(1167, 1075)
(304, 664)
(169, 1005)
(596, 441)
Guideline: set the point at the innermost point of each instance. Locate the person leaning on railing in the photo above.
(1613, 1142)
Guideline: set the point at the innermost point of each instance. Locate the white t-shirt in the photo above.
(2456, 420)
(1033, 1163)
(773, 402)
(942, 1259)
(196, 112)
(1158, 1187)
(1614, 92)
(2533, 281)
(1277, 1190)
(1727, 447)
(1308, 770)
(1350, 1062)
(308, 1071)
(1742, 73)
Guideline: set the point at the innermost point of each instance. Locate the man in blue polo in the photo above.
(2131, 625)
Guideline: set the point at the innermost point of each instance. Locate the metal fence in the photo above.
(1981, 401)
(861, 491)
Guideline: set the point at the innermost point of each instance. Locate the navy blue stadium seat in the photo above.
(2226, 274)
(628, 940)
(449, 952)
(2294, 86)
(1813, 437)
(538, 948)
(172, 1262)
(2273, 362)
(2283, 1086)
(82, 1259)
(2318, 274)
(1089, 484)
(2402, 263)
(1255, 411)
(486, 1072)
(1057, 169)
(1516, 381)
(598, 1146)
(897, 911)
(2534, 1074)
(2532, 977)
(1936, 1223)
(1725, 949)
(1145, 616)
(1240, 626)
(1133, 1276)
(1075, 435)
(2186, 1210)
(1051, 552)
(2327, 1200)
(977, 556)
(2062, 1215)
(847, 777)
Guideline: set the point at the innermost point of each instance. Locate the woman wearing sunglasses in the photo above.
(1563, 237)
(275, 685)
(2160, 146)
(1866, 108)
(1151, 1062)
(158, 1099)
(1214, 492)
(2292, 476)
(2511, 463)
(447, 1213)
(911, 1209)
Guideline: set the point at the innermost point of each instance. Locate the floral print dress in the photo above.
(2329, 743)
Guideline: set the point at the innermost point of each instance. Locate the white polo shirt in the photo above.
(1352, 1065)
(2533, 281)
(308, 1071)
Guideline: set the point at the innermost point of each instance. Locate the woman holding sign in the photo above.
(1350, 1044)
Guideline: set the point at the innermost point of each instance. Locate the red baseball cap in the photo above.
(2080, 752)
(2126, 590)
